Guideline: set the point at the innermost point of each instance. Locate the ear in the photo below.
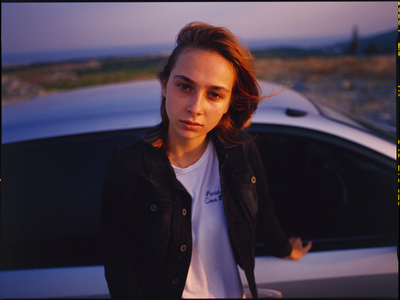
(227, 108)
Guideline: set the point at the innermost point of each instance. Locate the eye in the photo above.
(184, 86)
(214, 95)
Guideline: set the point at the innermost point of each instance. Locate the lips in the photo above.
(191, 125)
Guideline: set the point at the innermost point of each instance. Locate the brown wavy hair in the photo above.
(245, 93)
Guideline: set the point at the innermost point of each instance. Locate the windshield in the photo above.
(386, 132)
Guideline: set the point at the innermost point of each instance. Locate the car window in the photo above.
(333, 192)
(50, 200)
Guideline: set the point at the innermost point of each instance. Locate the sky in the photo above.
(28, 27)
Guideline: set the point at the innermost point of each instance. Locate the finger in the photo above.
(307, 247)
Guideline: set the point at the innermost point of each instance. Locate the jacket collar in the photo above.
(158, 165)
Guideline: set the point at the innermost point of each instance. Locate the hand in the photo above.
(298, 250)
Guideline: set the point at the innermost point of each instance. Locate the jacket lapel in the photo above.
(158, 166)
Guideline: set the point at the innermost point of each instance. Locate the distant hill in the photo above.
(381, 44)
(384, 43)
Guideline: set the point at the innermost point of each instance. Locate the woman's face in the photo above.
(198, 94)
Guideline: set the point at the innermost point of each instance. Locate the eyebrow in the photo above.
(214, 87)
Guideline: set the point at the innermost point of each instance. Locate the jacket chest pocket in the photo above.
(247, 184)
(155, 223)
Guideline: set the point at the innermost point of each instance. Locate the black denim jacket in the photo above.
(146, 218)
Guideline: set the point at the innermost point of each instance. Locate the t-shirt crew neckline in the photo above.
(197, 164)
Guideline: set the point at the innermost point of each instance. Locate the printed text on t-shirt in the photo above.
(213, 197)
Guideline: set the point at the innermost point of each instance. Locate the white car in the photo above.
(332, 179)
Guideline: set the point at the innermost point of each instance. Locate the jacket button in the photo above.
(175, 281)
(153, 207)
(183, 248)
(184, 212)
(253, 179)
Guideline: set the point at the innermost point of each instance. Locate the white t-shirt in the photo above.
(213, 271)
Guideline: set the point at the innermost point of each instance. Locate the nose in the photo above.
(195, 107)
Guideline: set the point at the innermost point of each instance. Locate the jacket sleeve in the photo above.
(118, 235)
(268, 228)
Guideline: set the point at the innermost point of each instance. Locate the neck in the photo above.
(184, 155)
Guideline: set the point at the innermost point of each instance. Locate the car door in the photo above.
(342, 197)
(50, 215)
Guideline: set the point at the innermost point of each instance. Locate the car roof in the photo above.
(85, 110)
(136, 104)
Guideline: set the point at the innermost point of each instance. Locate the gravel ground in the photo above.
(372, 100)
(361, 87)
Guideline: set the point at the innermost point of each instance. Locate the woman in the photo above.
(180, 208)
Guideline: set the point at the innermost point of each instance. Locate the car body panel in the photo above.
(326, 264)
(86, 110)
(77, 282)
(270, 272)
(345, 273)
